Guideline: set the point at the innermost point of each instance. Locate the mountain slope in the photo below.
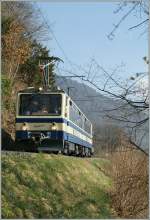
(50, 186)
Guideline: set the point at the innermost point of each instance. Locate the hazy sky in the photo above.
(82, 28)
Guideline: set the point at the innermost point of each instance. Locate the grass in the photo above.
(54, 186)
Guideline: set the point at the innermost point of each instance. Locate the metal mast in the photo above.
(44, 69)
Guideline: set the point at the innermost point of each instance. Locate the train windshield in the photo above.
(40, 104)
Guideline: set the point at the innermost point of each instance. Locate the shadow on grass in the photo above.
(7, 141)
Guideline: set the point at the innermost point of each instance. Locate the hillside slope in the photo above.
(54, 186)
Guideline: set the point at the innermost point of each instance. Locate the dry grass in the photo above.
(130, 191)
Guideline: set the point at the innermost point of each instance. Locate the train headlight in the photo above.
(24, 127)
(54, 126)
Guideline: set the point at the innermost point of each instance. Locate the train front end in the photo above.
(39, 121)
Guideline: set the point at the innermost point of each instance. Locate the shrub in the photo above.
(130, 191)
(6, 91)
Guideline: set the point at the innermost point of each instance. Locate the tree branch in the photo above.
(139, 24)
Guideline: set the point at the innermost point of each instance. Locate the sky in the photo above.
(81, 30)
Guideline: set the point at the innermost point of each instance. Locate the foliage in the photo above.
(16, 49)
(29, 71)
(5, 83)
(6, 91)
(5, 24)
(20, 49)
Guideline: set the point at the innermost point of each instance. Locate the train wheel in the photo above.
(76, 151)
(87, 152)
(83, 152)
(66, 151)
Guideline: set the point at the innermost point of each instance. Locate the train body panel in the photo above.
(61, 131)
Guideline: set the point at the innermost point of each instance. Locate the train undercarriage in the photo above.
(49, 146)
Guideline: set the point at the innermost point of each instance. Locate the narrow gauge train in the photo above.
(52, 122)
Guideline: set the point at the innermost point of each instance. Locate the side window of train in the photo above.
(87, 126)
(80, 123)
(75, 115)
(70, 111)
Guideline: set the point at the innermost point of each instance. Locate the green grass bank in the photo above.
(54, 186)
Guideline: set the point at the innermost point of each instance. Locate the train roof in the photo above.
(40, 90)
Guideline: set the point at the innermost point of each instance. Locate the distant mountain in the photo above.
(94, 104)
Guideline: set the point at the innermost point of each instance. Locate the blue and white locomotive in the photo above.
(53, 122)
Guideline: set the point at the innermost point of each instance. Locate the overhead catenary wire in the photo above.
(54, 37)
(66, 57)
(56, 40)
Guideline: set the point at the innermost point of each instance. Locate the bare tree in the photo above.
(131, 104)
(131, 108)
(21, 25)
(107, 139)
(28, 15)
(139, 8)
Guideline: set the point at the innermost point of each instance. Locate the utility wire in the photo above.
(55, 38)
(58, 44)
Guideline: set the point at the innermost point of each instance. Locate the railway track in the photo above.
(24, 153)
